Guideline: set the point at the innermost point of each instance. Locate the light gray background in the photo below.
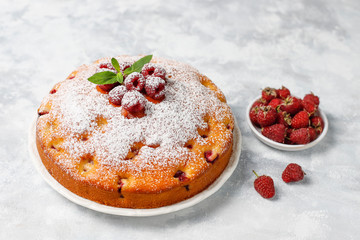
(242, 46)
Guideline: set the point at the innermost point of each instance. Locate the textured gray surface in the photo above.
(243, 46)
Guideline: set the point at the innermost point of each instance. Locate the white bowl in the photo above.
(282, 146)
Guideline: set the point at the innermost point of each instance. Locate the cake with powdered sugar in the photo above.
(159, 135)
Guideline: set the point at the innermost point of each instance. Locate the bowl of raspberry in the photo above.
(286, 122)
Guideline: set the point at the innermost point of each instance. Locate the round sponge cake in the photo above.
(174, 151)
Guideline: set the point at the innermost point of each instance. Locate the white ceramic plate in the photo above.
(282, 146)
(135, 212)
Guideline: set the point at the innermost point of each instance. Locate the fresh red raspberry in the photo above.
(276, 132)
(253, 115)
(266, 116)
(135, 81)
(107, 87)
(275, 102)
(292, 173)
(133, 102)
(313, 134)
(268, 93)
(284, 118)
(154, 87)
(283, 92)
(312, 98)
(318, 124)
(300, 120)
(107, 66)
(300, 136)
(124, 66)
(264, 185)
(117, 94)
(310, 107)
(260, 102)
(291, 105)
(153, 70)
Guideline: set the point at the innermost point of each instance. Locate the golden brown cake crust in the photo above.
(92, 150)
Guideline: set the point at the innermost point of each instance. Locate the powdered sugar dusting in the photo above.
(167, 125)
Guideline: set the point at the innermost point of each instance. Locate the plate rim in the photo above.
(210, 190)
(282, 146)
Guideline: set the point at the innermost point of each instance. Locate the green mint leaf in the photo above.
(106, 77)
(116, 65)
(120, 77)
(138, 65)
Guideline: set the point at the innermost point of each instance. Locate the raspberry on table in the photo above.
(292, 173)
(264, 185)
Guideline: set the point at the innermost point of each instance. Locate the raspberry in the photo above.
(291, 105)
(283, 92)
(181, 176)
(135, 81)
(300, 120)
(107, 87)
(292, 173)
(312, 98)
(153, 70)
(268, 93)
(154, 87)
(264, 185)
(211, 156)
(107, 66)
(116, 95)
(275, 132)
(275, 102)
(310, 107)
(124, 66)
(133, 102)
(253, 115)
(266, 116)
(313, 134)
(318, 124)
(258, 103)
(284, 118)
(300, 136)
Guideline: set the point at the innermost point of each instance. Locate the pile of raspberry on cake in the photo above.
(285, 118)
(135, 89)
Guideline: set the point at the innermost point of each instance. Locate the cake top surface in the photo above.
(87, 124)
